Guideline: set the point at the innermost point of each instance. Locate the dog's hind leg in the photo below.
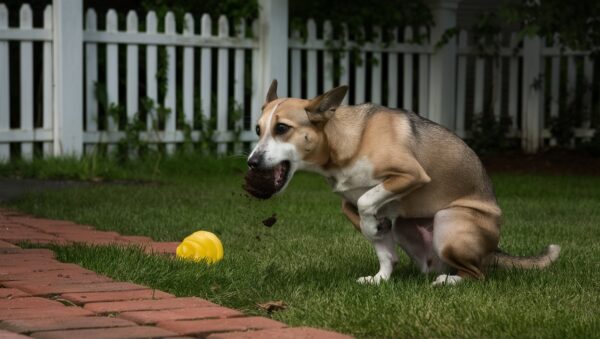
(463, 238)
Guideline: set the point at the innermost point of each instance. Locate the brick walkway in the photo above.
(41, 297)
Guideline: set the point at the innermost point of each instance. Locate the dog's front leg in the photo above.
(379, 231)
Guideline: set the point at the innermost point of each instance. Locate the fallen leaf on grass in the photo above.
(273, 306)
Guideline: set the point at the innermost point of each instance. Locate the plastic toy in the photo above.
(201, 246)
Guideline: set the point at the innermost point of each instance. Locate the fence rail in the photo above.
(216, 73)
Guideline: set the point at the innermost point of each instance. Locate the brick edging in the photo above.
(44, 298)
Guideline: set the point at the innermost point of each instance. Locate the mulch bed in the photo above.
(553, 162)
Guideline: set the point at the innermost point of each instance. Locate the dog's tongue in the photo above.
(278, 173)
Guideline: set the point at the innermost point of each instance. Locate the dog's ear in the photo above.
(272, 92)
(321, 108)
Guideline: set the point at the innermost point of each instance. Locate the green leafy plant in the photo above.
(489, 133)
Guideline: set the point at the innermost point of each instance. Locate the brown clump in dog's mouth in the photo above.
(263, 183)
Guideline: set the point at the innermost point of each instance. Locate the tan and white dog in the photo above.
(403, 179)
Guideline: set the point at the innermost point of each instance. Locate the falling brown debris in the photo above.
(270, 221)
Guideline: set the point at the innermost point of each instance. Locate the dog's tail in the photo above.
(505, 260)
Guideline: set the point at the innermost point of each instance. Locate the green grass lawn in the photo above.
(312, 256)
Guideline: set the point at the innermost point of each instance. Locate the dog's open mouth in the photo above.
(263, 183)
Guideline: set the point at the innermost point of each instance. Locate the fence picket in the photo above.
(345, 64)
(222, 82)
(359, 73)
(295, 67)
(497, 83)
(423, 79)
(376, 69)
(132, 68)
(238, 85)
(26, 73)
(327, 58)
(188, 72)
(555, 82)
(461, 87)
(479, 85)
(311, 62)
(588, 73)
(171, 86)
(205, 67)
(48, 147)
(407, 99)
(513, 84)
(255, 100)
(4, 85)
(393, 73)
(571, 79)
(112, 78)
(151, 67)
(91, 79)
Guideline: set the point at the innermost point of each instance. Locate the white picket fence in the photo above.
(400, 73)
(150, 40)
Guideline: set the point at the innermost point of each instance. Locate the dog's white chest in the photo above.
(351, 182)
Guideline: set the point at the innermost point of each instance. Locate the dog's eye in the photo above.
(257, 130)
(281, 129)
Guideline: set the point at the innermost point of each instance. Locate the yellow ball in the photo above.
(201, 246)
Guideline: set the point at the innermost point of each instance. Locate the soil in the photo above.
(260, 183)
(554, 162)
(270, 221)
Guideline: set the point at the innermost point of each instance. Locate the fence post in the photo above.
(442, 70)
(531, 123)
(273, 47)
(68, 77)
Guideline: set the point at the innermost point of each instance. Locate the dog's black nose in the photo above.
(254, 161)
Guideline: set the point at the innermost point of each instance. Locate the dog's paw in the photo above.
(446, 279)
(370, 280)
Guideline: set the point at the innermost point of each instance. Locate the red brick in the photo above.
(282, 333)
(9, 293)
(4, 244)
(65, 229)
(40, 223)
(32, 302)
(67, 276)
(59, 288)
(194, 313)
(53, 324)
(136, 239)
(6, 259)
(37, 267)
(83, 298)
(206, 327)
(106, 333)
(162, 247)
(147, 305)
(11, 335)
(16, 235)
(20, 261)
(46, 312)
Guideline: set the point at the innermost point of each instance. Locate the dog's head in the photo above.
(291, 137)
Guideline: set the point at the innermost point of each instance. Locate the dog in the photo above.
(404, 180)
